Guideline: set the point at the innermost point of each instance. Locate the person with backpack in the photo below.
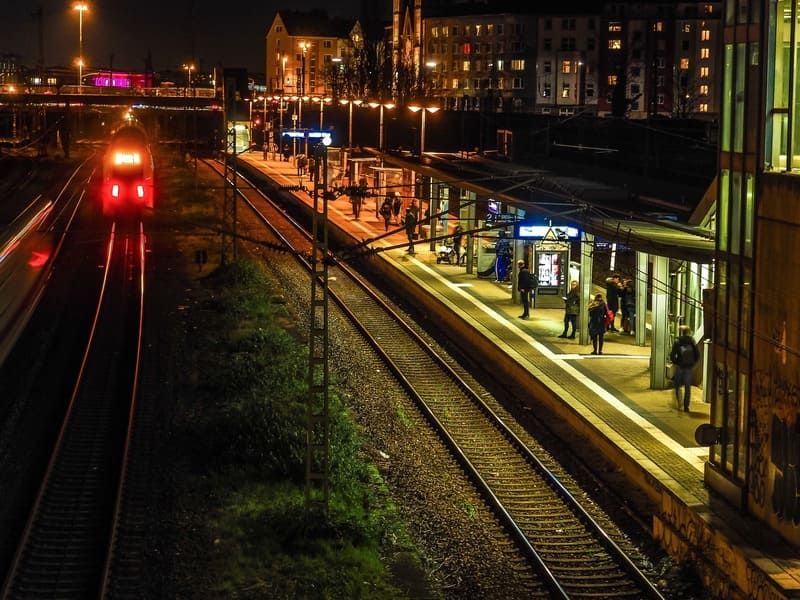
(572, 305)
(524, 287)
(598, 314)
(684, 356)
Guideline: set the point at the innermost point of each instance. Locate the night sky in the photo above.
(227, 32)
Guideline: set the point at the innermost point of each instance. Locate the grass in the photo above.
(244, 530)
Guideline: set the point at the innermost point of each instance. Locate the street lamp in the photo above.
(81, 7)
(188, 68)
(350, 128)
(380, 105)
(423, 109)
(322, 102)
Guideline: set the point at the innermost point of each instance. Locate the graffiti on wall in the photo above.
(775, 436)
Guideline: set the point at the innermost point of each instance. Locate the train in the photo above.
(127, 189)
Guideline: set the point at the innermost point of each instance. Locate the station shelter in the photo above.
(670, 266)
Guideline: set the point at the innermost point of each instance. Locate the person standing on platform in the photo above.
(613, 289)
(386, 212)
(458, 238)
(524, 287)
(411, 227)
(597, 322)
(628, 306)
(684, 355)
(572, 304)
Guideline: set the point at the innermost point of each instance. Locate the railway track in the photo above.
(69, 544)
(572, 554)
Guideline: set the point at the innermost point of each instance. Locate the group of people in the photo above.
(684, 354)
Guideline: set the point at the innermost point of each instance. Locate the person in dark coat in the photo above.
(684, 356)
(397, 204)
(411, 226)
(524, 287)
(386, 212)
(628, 307)
(597, 322)
(572, 304)
(613, 291)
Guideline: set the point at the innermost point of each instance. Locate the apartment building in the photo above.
(302, 47)
(482, 61)
(566, 65)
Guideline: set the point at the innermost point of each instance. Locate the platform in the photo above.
(606, 398)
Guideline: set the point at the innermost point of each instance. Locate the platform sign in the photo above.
(501, 219)
(601, 244)
(527, 231)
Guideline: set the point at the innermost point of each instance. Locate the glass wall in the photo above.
(783, 136)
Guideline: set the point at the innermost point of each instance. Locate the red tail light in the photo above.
(115, 190)
(140, 191)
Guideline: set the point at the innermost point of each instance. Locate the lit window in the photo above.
(565, 90)
(704, 90)
(658, 26)
(518, 64)
(465, 65)
(566, 66)
(435, 32)
(500, 63)
(687, 28)
(705, 53)
(615, 44)
(478, 30)
(454, 83)
(614, 27)
(703, 71)
(703, 107)
(684, 63)
(466, 48)
(705, 35)
(612, 80)
(709, 9)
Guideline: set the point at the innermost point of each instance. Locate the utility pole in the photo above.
(317, 407)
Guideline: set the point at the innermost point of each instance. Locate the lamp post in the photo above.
(380, 105)
(350, 126)
(423, 109)
(188, 68)
(322, 102)
(81, 7)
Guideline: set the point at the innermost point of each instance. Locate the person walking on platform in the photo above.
(613, 290)
(397, 204)
(386, 212)
(411, 226)
(597, 322)
(684, 356)
(458, 238)
(524, 287)
(572, 304)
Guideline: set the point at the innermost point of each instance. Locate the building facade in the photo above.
(756, 339)
(301, 48)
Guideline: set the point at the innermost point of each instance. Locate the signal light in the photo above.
(115, 190)
(140, 191)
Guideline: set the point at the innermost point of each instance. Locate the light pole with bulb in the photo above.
(350, 121)
(81, 7)
(188, 68)
(381, 105)
(322, 102)
(423, 109)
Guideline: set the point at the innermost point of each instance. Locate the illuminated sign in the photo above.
(540, 232)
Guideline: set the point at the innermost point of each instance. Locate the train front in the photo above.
(128, 175)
